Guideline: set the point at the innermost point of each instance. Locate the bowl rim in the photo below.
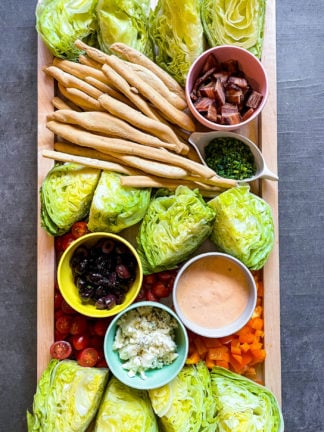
(213, 125)
(91, 311)
(139, 383)
(229, 328)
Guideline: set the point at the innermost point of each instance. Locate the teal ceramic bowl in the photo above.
(155, 377)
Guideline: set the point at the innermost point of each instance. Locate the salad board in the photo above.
(262, 131)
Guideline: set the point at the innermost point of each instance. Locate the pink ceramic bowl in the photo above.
(254, 73)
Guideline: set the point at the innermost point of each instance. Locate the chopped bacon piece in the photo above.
(228, 108)
(208, 90)
(210, 63)
(238, 81)
(212, 114)
(254, 99)
(203, 78)
(219, 93)
(247, 114)
(203, 104)
(223, 76)
(231, 66)
(231, 118)
(234, 96)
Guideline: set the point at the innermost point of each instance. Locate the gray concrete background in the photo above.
(300, 58)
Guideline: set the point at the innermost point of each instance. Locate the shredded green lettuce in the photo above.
(66, 194)
(234, 22)
(61, 22)
(124, 409)
(174, 226)
(115, 207)
(243, 226)
(177, 32)
(242, 405)
(67, 397)
(124, 21)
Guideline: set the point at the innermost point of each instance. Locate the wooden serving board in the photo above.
(262, 131)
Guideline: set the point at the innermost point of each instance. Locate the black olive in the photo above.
(107, 302)
(107, 246)
(122, 271)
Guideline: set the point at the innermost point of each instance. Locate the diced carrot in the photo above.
(260, 290)
(238, 358)
(235, 346)
(258, 356)
(193, 358)
(200, 346)
(219, 353)
(257, 312)
(251, 373)
(246, 358)
(210, 363)
(222, 363)
(259, 334)
(245, 347)
(256, 346)
(212, 342)
(226, 339)
(245, 335)
(235, 365)
(256, 323)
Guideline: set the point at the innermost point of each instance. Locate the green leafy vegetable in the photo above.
(67, 397)
(173, 227)
(124, 21)
(186, 404)
(177, 31)
(230, 158)
(115, 207)
(242, 405)
(61, 22)
(66, 195)
(125, 409)
(243, 226)
(235, 22)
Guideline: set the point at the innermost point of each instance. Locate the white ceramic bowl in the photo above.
(214, 294)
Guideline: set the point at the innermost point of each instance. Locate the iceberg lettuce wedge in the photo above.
(243, 226)
(243, 405)
(186, 404)
(234, 22)
(67, 397)
(124, 21)
(173, 227)
(177, 32)
(115, 207)
(125, 409)
(61, 22)
(66, 194)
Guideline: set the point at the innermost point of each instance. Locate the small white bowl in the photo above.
(199, 140)
(214, 294)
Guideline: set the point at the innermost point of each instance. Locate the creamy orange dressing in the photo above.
(213, 292)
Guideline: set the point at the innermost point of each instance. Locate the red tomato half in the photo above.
(63, 324)
(60, 350)
(100, 326)
(88, 357)
(79, 229)
(66, 240)
(160, 290)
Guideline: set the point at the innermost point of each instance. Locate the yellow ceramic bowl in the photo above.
(69, 290)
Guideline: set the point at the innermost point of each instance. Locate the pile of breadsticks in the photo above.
(123, 113)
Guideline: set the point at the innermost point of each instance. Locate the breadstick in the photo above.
(79, 70)
(138, 119)
(85, 60)
(109, 125)
(122, 85)
(80, 98)
(135, 56)
(174, 115)
(59, 104)
(86, 161)
(105, 88)
(68, 80)
(116, 145)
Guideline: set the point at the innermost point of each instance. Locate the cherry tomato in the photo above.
(150, 296)
(150, 279)
(60, 336)
(63, 324)
(79, 229)
(57, 299)
(100, 326)
(96, 342)
(101, 363)
(160, 290)
(66, 308)
(78, 325)
(80, 341)
(88, 357)
(60, 350)
(141, 294)
(66, 240)
(165, 276)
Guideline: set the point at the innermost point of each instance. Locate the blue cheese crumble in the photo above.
(145, 339)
